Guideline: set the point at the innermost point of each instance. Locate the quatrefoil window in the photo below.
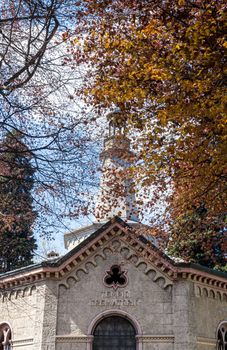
(115, 277)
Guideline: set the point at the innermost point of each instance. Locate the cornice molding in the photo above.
(206, 341)
(74, 339)
(145, 251)
(23, 342)
(16, 293)
(208, 291)
(116, 244)
(89, 338)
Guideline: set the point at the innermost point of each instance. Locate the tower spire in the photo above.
(116, 194)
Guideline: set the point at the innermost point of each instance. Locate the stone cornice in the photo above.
(206, 341)
(74, 338)
(88, 338)
(23, 342)
(115, 228)
(202, 276)
(174, 272)
(156, 338)
(56, 272)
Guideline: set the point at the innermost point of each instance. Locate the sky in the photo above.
(58, 89)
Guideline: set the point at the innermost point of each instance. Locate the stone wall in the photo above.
(210, 310)
(31, 313)
(21, 310)
(62, 313)
(83, 298)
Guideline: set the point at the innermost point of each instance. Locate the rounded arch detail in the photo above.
(109, 313)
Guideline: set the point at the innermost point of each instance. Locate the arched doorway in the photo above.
(114, 333)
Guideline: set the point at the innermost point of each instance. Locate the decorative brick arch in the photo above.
(113, 312)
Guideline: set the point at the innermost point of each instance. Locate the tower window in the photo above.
(5, 337)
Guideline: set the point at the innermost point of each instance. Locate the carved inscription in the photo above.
(115, 298)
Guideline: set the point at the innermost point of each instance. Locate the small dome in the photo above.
(117, 122)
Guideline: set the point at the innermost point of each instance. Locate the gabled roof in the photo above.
(59, 267)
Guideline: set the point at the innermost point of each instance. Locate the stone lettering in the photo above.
(115, 298)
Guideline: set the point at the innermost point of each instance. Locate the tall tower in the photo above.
(116, 195)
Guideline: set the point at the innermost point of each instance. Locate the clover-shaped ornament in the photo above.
(115, 277)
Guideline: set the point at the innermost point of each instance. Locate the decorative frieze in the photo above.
(204, 291)
(118, 236)
(16, 293)
(156, 338)
(74, 339)
(114, 246)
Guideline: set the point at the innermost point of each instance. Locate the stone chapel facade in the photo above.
(113, 290)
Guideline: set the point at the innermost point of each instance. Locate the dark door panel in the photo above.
(114, 333)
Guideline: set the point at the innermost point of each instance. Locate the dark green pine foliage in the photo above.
(17, 215)
(198, 239)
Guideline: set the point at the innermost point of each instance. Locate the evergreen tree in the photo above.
(197, 238)
(17, 215)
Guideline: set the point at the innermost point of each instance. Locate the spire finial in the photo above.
(117, 123)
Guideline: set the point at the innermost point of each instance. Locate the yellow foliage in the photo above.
(164, 67)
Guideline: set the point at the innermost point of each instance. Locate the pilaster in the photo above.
(184, 316)
(46, 316)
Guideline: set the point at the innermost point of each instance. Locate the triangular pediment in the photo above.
(116, 235)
